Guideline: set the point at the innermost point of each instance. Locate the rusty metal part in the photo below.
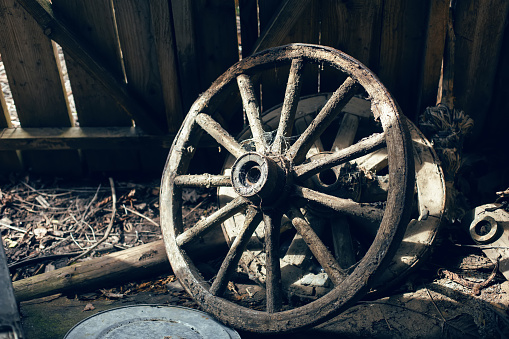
(490, 228)
(278, 317)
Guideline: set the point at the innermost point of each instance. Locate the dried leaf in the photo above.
(89, 307)
(11, 243)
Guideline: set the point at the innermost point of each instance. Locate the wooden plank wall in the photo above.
(36, 84)
(95, 24)
(168, 52)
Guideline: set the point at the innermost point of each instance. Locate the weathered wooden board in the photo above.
(248, 20)
(55, 29)
(187, 50)
(402, 43)
(497, 117)
(94, 273)
(218, 48)
(287, 25)
(140, 57)
(479, 27)
(95, 24)
(354, 28)
(36, 84)
(162, 26)
(9, 161)
(291, 22)
(434, 50)
(85, 138)
(5, 119)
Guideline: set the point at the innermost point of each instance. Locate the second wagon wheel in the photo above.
(271, 178)
(364, 180)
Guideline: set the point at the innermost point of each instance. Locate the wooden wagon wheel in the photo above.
(271, 181)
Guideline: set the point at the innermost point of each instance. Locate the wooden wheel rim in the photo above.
(391, 230)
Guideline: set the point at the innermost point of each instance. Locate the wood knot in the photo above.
(149, 254)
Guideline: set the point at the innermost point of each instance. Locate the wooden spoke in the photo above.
(253, 218)
(363, 147)
(297, 152)
(315, 244)
(233, 207)
(343, 206)
(298, 252)
(252, 107)
(290, 104)
(273, 284)
(217, 132)
(203, 180)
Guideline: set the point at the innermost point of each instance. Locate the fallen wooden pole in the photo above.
(113, 269)
(106, 270)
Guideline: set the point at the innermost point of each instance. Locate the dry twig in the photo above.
(110, 225)
(140, 215)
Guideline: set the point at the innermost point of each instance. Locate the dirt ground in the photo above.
(46, 223)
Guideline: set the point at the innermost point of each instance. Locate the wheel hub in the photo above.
(258, 178)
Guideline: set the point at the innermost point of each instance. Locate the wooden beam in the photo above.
(281, 23)
(110, 269)
(42, 12)
(80, 138)
(120, 266)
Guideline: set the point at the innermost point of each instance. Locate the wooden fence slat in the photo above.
(248, 15)
(95, 23)
(479, 27)
(32, 70)
(9, 161)
(402, 49)
(183, 21)
(139, 51)
(140, 54)
(206, 41)
(279, 28)
(294, 21)
(218, 49)
(36, 84)
(162, 26)
(86, 56)
(434, 51)
(497, 119)
(266, 10)
(5, 118)
(354, 28)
